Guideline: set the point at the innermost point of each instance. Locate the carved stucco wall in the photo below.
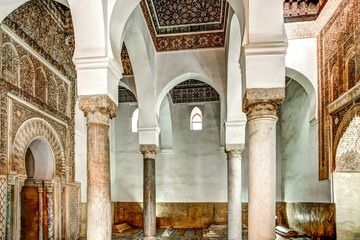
(347, 178)
(37, 71)
(348, 150)
(338, 80)
(37, 94)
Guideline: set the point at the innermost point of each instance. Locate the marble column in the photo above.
(234, 152)
(39, 186)
(8, 213)
(149, 192)
(261, 106)
(50, 209)
(17, 228)
(98, 109)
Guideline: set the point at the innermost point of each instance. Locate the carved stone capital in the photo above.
(234, 151)
(98, 108)
(49, 185)
(39, 186)
(259, 102)
(149, 150)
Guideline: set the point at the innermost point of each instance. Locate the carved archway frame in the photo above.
(29, 130)
(354, 110)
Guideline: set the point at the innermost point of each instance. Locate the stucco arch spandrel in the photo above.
(27, 132)
(355, 110)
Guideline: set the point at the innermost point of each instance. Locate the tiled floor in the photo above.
(180, 234)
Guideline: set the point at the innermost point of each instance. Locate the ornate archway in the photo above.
(345, 155)
(27, 132)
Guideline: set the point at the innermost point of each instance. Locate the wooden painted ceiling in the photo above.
(302, 10)
(186, 24)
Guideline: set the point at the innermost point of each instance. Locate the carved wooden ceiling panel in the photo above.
(186, 24)
(302, 10)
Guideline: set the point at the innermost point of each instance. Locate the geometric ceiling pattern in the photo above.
(302, 10)
(186, 24)
(126, 63)
(192, 91)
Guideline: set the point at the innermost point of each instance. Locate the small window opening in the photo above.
(196, 119)
(135, 120)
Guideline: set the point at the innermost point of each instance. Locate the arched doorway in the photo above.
(37, 202)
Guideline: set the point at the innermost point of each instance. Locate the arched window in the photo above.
(135, 120)
(196, 119)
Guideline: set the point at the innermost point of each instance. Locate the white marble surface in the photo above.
(347, 202)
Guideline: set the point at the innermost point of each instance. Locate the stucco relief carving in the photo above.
(27, 75)
(348, 149)
(30, 130)
(339, 68)
(346, 158)
(10, 63)
(4, 132)
(33, 77)
(53, 89)
(62, 99)
(40, 84)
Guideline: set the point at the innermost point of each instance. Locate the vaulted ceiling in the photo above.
(194, 24)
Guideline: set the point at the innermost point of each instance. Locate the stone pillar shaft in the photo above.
(17, 217)
(39, 187)
(234, 191)
(98, 109)
(149, 219)
(8, 213)
(260, 106)
(50, 210)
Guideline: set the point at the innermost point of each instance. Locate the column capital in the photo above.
(98, 108)
(49, 185)
(21, 182)
(234, 151)
(39, 185)
(149, 150)
(260, 102)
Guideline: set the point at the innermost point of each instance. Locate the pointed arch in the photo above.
(62, 99)
(347, 156)
(350, 69)
(349, 116)
(32, 129)
(309, 89)
(10, 63)
(27, 75)
(40, 84)
(336, 87)
(52, 90)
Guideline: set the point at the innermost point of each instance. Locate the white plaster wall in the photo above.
(300, 150)
(347, 200)
(207, 62)
(302, 57)
(81, 151)
(194, 172)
